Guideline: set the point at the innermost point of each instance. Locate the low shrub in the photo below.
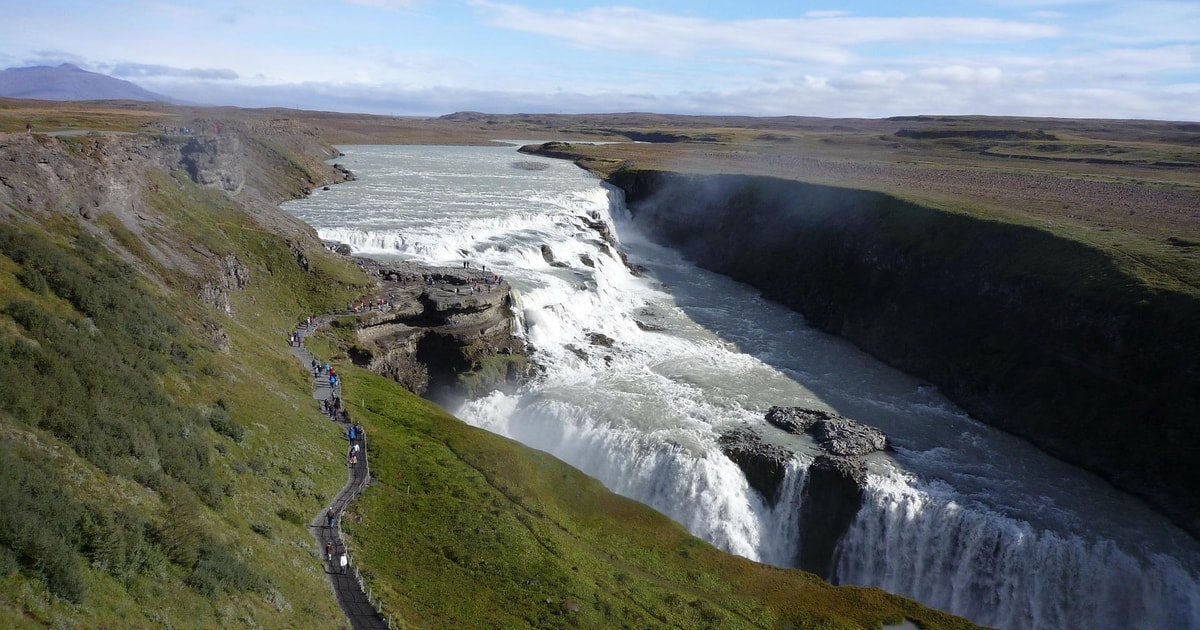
(224, 424)
(40, 522)
(288, 515)
(218, 571)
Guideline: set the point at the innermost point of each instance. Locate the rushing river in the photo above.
(961, 516)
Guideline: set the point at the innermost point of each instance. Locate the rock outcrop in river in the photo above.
(834, 491)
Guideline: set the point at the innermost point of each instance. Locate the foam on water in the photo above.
(641, 375)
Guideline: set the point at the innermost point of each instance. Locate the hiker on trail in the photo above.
(343, 561)
(352, 434)
(330, 517)
(358, 429)
(354, 449)
(329, 551)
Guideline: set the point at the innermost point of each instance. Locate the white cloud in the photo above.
(825, 14)
(142, 70)
(635, 31)
(869, 80)
(394, 5)
(962, 75)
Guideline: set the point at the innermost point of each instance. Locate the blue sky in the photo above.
(1070, 58)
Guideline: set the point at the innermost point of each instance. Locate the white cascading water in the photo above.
(643, 374)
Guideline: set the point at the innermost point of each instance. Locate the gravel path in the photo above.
(351, 593)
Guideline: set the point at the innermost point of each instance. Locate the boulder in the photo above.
(845, 437)
(795, 420)
(835, 434)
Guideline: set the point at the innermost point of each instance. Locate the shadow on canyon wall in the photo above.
(1033, 333)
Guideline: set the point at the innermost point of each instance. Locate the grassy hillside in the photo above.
(163, 453)
(158, 477)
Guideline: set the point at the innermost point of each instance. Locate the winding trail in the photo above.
(353, 596)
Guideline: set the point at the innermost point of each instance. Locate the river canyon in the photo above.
(644, 366)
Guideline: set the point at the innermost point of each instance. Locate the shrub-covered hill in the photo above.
(162, 454)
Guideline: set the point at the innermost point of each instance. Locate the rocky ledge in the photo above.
(441, 332)
(837, 435)
(833, 493)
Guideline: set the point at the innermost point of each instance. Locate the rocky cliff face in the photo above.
(442, 332)
(1033, 333)
(123, 189)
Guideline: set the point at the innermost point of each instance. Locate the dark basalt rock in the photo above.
(829, 501)
(763, 464)
(795, 420)
(834, 433)
(843, 436)
(1066, 374)
(832, 498)
(837, 478)
(600, 339)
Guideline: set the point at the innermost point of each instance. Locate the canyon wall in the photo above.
(1040, 335)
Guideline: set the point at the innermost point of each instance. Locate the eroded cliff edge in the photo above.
(445, 333)
(1037, 334)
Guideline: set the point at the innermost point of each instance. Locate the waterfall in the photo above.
(642, 375)
(1002, 572)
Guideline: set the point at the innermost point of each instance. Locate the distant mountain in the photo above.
(71, 83)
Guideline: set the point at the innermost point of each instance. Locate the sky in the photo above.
(1063, 58)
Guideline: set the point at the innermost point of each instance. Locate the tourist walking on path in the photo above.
(344, 580)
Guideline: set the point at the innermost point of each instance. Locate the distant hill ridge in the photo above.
(68, 82)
